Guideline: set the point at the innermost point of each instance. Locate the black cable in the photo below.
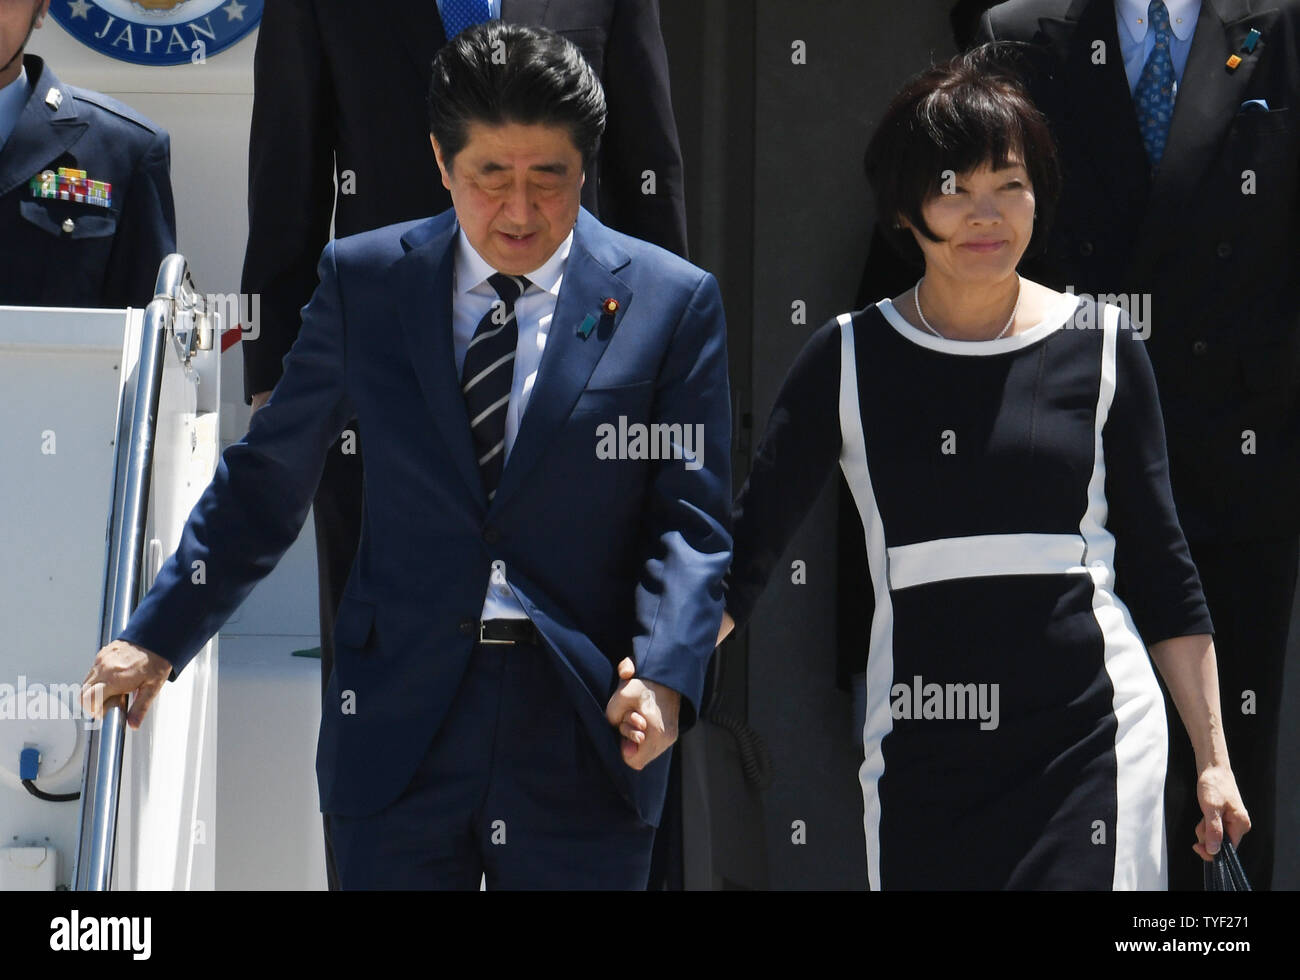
(40, 794)
(755, 759)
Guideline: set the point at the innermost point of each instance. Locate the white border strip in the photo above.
(982, 555)
(880, 659)
(1141, 748)
(1056, 318)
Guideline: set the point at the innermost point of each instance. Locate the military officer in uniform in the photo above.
(86, 212)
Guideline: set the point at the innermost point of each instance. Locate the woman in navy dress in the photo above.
(1005, 450)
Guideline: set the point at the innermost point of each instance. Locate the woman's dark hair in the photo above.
(498, 73)
(969, 111)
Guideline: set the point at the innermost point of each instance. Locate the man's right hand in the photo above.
(260, 399)
(728, 624)
(121, 668)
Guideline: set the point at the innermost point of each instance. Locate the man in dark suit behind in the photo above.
(1197, 214)
(340, 129)
(539, 585)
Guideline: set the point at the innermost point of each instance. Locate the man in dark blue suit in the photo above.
(546, 415)
(341, 90)
(86, 212)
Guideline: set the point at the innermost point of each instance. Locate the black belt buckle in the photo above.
(507, 631)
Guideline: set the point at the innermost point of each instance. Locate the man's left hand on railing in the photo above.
(121, 668)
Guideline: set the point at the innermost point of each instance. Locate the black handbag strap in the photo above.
(1224, 873)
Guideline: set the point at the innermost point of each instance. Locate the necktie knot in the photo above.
(509, 288)
(1158, 17)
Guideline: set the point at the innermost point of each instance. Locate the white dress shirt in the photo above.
(1137, 42)
(472, 297)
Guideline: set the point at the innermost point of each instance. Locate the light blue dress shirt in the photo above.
(472, 296)
(1137, 42)
(13, 99)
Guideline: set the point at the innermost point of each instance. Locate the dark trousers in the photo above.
(510, 789)
(336, 513)
(1249, 587)
(337, 518)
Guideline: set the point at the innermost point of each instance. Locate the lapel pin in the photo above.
(54, 98)
(1233, 62)
(1252, 39)
(608, 308)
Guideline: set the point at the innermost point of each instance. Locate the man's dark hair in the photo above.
(969, 111)
(499, 73)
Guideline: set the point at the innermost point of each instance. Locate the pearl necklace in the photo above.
(916, 298)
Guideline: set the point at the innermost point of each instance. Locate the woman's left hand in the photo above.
(1220, 800)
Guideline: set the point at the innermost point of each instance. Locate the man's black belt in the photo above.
(509, 631)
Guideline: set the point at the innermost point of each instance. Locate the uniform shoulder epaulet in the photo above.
(113, 106)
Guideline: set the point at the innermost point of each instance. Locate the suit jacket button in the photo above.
(1085, 248)
(1223, 250)
(1199, 348)
(69, 226)
(467, 627)
(491, 535)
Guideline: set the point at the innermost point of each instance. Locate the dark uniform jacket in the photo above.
(71, 253)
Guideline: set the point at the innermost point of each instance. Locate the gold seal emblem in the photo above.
(159, 4)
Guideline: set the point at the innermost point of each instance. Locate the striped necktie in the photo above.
(487, 376)
(460, 15)
(1155, 88)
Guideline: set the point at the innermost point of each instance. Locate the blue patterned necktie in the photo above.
(1155, 89)
(487, 376)
(459, 15)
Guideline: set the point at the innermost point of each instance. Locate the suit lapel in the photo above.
(524, 11)
(1102, 121)
(568, 360)
(42, 134)
(420, 28)
(1207, 102)
(422, 282)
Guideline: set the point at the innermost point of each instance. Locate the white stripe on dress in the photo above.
(984, 554)
(1141, 738)
(880, 659)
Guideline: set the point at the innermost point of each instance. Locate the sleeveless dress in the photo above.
(1023, 543)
